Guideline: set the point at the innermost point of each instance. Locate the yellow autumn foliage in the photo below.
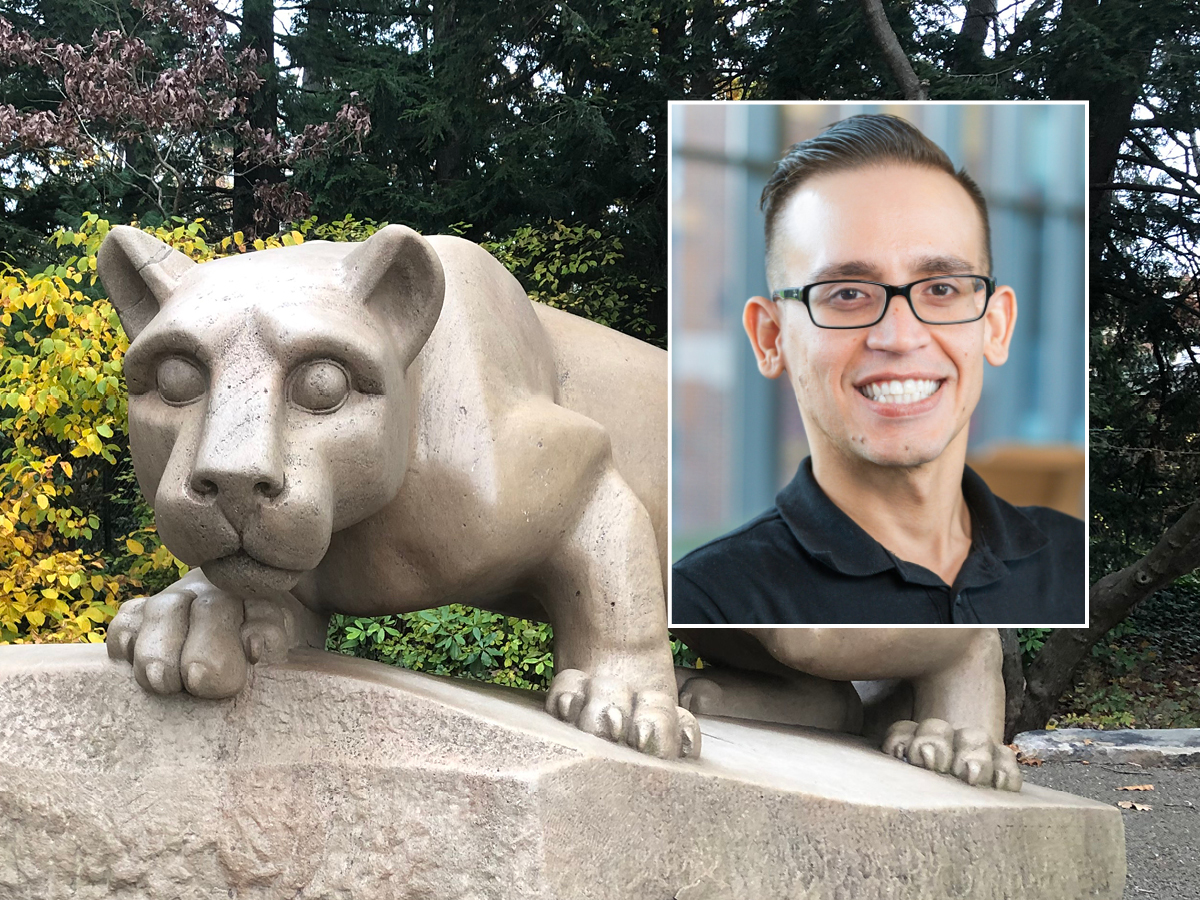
(63, 417)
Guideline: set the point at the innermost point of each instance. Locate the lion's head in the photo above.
(267, 405)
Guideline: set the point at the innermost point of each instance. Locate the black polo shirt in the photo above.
(806, 562)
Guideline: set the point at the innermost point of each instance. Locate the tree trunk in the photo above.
(448, 155)
(702, 68)
(258, 33)
(1112, 598)
(1014, 680)
(1112, 100)
(893, 53)
(973, 35)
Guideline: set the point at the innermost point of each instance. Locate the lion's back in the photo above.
(620, 382)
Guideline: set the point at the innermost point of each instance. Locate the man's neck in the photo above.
(917, 513)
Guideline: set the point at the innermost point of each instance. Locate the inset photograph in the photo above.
(879, 364)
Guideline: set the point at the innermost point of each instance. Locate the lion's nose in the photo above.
(239, 461)
(239, 469)
(211, 483)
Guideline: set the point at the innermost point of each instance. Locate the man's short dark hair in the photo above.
(858, 141)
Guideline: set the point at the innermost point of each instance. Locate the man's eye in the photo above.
(847, 295)
(942, 290)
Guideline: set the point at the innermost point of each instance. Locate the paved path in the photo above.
(1162, 844)
(1145, 746)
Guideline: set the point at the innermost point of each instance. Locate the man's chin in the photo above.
(897, 451)
(241, 574)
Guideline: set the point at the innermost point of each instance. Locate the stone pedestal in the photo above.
(338, 778)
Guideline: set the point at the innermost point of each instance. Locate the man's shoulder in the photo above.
(1055, 576)
(740, 576)
(1065, 532)
(764, 534)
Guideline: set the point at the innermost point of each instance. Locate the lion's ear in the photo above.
(139, 272)
(397, 273)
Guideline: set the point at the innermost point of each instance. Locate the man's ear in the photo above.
(761, 319)
(998, 321)
(139, 272)
(398, 275)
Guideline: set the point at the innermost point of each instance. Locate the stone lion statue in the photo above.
(382, 427)
(388, 426)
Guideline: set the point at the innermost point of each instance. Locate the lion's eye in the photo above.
(179, 380)
(320, 386)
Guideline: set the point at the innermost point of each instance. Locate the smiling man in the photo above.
(883, 315)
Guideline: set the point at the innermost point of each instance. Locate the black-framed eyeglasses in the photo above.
(940, 300)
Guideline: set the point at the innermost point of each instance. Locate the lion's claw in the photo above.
(268, 632)
(123, 629)
(615, 719)
(967, 753)
(649, 721)
(689, 734)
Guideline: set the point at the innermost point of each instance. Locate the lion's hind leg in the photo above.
(796, 698)
(969, 754)
(958, 713)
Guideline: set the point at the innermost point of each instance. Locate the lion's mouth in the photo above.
(239, 572)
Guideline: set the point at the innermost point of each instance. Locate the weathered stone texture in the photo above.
(335, 778)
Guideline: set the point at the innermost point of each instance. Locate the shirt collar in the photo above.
(1000, 532)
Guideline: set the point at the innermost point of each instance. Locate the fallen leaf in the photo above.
(1087, 740)
(1129, 804)
(1085, 762)
(1136, 787)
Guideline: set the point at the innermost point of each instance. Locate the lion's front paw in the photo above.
(967, 753)
(187, 638)
(649, 721)
(269, 631)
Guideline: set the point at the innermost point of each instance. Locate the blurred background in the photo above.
(737, 437)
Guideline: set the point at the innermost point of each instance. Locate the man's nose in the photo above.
(899, 331)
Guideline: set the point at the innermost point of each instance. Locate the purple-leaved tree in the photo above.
(175, 112)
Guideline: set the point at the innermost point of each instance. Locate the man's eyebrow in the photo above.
(943, 265)
(925, 265)
(850, 269)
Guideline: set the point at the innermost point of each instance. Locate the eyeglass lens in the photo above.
(846, 304)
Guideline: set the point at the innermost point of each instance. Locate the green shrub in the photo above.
(463, 642)
(452, 640)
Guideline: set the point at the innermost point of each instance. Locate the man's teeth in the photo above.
(908, 391)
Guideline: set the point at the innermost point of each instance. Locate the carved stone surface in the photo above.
(332, 778)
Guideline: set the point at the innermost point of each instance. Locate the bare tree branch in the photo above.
(893, 54)
(1146, 189)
